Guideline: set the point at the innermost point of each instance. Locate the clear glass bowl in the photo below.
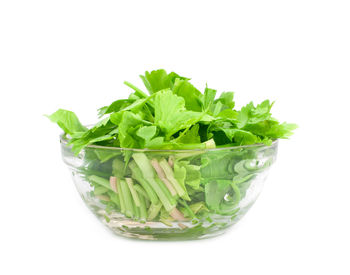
(169, 194)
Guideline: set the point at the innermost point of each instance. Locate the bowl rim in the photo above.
(64, 140)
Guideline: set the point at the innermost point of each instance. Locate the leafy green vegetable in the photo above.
(190, 136)
(68, 121)
(159, 80)
(187, 173)
(192, 97)
(176, 115)
(196, 185)
(171, 114)
(209, 96)
(226, 100)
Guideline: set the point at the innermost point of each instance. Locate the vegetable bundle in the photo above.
(178, 177)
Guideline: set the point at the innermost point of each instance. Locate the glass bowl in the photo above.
(169, 194)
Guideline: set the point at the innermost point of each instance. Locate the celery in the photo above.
(170, 176)
(153, 211)
(159, 188)
(143, 210)
(120, 195)
(100, 181)
(137, 175)
(129, 204)
(133, 192)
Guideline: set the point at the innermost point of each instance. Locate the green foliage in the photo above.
(68, 121)
(176, 115)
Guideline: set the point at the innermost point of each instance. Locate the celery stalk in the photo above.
(129, 207)
(121, 198)
(144, 164)
(133, 192)
(141, 191)
(166, 191)
(143, 210)
(137, 175)
(162, 176)
(114, 198)
(101, 181)
(159, 188)
(170, 176)
(153, 211)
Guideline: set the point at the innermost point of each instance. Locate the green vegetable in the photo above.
(153, 211)
(68, 121)
(149, 175)
(180, 189)
(137, 175)
(159, 185)
(176, 114)
(171, 115)
(127, 198)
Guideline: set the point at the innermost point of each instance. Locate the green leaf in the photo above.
(128, 126)
(209, 96)
(225, 101)
(155, 143)
(173, 76)
(116, 106)
(218, 165)
(68, 121)
(222, 196)
(258, 121)
(105, 154)
(116, 118)
(187, 173)
(284, 130)
(190, 136)
(138, 92)
(215, 192)
(198, 207)
(159, 80)
(171, 114)
(228, 114)
(191, 95)
(251, 115)
(156, 81)
(104, 130)
(226, 98)
(147, 132)
(241, 137)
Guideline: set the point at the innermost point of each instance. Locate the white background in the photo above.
(76, 55)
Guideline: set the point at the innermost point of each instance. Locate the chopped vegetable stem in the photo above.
(129, 207)
(133, 191)
(141, 191)
(143, 210)
(162, 177)
(121, 197)
(101, 181)
(158, 187)
(137, 175)
(177, 215)
(170, 176)
(113, 182)
(153, 211)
